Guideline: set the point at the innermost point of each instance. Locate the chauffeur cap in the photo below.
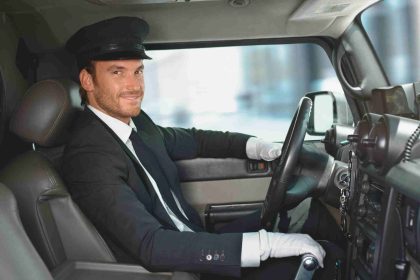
(110, 39)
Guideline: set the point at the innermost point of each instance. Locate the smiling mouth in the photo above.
(131, 97)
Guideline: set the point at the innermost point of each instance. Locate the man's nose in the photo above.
(133, 82)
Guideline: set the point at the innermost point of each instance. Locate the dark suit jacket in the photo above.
(104, 181)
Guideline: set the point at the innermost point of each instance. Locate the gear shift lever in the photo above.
(307, 267)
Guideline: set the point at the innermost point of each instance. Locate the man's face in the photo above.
(117, 87)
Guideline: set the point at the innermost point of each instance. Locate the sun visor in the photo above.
(401, 100)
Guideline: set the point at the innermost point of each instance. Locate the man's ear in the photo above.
(86, 80)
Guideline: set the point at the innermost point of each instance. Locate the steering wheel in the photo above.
(282, 174)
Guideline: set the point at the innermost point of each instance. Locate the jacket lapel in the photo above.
(146, 199)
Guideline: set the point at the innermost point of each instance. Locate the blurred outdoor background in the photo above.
(256, 89)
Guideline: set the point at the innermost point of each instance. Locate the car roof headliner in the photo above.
(47, 24)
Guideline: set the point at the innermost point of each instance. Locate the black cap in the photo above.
(110, 39)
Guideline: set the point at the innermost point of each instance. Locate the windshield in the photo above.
(249, 89)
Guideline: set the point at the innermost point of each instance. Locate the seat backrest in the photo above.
(55, 225)
(18, 258)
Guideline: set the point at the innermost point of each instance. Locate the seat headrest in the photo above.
(46, 111)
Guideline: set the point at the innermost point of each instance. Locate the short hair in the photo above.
(90, 68)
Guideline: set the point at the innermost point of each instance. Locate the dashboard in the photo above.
(384, 198)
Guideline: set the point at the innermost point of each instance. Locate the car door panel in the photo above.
(222, 190)
(225, 189)
(203, 194)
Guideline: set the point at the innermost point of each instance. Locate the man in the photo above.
(119, 168)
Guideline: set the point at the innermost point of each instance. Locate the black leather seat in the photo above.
(18, 259)
(56, 226)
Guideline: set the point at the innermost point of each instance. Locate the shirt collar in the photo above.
(120, 128)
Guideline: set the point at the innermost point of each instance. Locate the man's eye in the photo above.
(116, 72)
(138, 72)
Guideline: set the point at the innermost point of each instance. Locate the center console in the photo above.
(384, 220)
(366, 230)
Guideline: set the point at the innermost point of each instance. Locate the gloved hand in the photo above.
(280, 245)
(257, 148)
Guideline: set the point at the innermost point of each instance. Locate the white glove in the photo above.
(257, 148)
(280, 245)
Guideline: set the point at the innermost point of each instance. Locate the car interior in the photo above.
(362, 162)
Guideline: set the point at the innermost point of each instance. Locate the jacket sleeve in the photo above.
(97, 181)
(191, 143)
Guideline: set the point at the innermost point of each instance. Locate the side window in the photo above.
(394, 28)
(249, 89)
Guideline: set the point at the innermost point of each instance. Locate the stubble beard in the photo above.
(113, 109)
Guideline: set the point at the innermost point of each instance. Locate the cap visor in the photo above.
(140, 54)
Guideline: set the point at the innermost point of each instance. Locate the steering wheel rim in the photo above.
(282, 174)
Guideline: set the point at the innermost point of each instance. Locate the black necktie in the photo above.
(149, 161)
